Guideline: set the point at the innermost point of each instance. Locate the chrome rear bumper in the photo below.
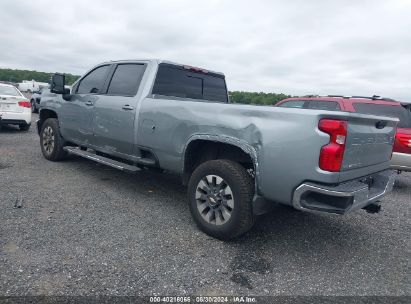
(345, 197)
(401, 161)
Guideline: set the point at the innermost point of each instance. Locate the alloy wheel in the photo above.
(48, 140)
(215, 200)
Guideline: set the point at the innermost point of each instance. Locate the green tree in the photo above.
(258, 98)
(20, 75)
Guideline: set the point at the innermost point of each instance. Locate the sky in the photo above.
(356, 47)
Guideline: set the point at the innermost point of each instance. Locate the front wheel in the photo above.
(220, 194)
(51, 141)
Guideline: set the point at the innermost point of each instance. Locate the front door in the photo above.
(77, 114)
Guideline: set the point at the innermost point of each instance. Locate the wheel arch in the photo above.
(43, 115)
(201, 148)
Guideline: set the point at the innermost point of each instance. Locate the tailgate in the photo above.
(369, 141)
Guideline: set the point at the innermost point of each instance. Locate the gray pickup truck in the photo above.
(237, 160)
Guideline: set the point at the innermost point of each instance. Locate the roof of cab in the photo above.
(158, 61)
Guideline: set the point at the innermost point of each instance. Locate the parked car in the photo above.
(237, 160)
(36, 97)
(14, 107)
(401, 157)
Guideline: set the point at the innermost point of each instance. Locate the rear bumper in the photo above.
(16, 118)
(345, 197)
(401, 161)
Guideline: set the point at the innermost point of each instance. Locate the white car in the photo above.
(15, 109)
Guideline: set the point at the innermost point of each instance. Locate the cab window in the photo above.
(94, 81)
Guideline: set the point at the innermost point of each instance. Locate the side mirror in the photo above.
(57, 84)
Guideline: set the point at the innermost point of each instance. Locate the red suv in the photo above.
(401, 158)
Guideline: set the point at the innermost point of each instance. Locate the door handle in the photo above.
(89, 103)
(127, 107)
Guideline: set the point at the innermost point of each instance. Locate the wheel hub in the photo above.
(215, 200)
(48, 140)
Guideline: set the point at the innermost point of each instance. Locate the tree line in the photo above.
(259, 98)
(17, 76)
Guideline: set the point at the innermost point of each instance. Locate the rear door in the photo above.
(114, 113)
(77, 114)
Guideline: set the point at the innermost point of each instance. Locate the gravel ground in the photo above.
(86, 229)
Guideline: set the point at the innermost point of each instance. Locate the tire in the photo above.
(51, 141)
(24, 127)
(211, 211)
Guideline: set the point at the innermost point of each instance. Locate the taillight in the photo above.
(194, 69)
(405, 139)
(332, 154)
(25, 104)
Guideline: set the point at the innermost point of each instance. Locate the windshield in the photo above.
(6, 90)
(386, 110)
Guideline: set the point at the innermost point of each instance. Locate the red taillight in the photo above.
(25, 104)
(405, 139)
(332, 154)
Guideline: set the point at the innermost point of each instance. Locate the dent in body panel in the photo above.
(167, 126)
(243, 145)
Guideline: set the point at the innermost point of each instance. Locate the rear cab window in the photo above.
(395, 111)
(178, 81)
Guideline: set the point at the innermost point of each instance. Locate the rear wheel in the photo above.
(220, 194)
(51, 141)
(24, 127)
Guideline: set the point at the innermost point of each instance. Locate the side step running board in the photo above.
(107, 161)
